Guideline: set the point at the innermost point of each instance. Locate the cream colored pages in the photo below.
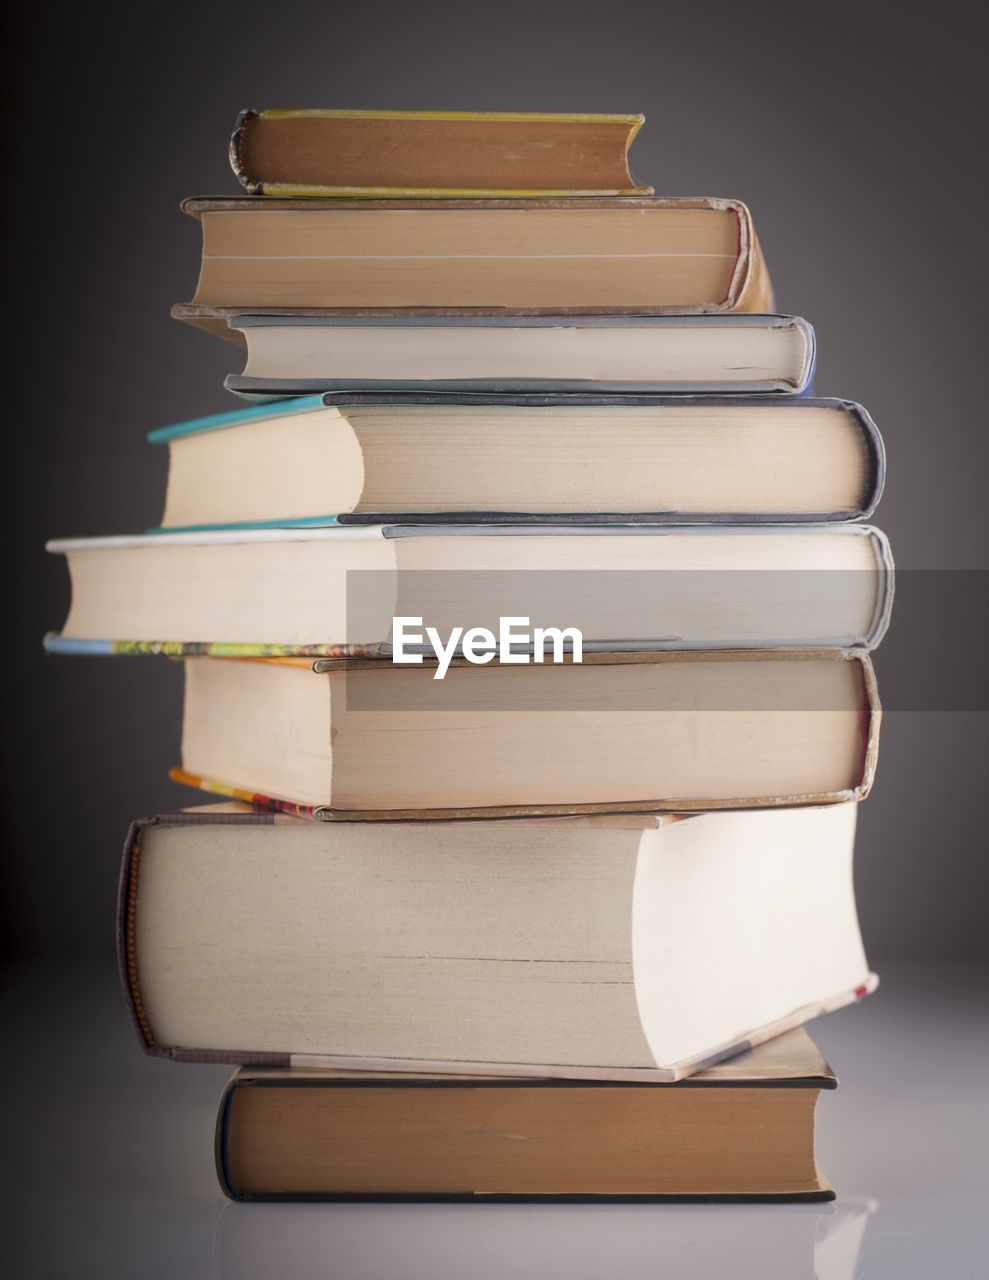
(702, 588)
(257, 725)
(724, 588)
(468, 257)
(305, 464)
(643, 732)
(460, 942)
(779, 927)
(236, 588)
(584, 458)
(677, 732)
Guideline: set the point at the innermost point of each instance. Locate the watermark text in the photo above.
(514, 642)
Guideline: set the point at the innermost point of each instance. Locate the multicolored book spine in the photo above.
(260, 802)
(66, 646)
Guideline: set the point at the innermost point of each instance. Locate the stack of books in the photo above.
(525, 614)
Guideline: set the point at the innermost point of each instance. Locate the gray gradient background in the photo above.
(853, 134)
(856, 135)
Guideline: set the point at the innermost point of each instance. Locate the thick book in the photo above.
(373, 740)
(743, 1129)
(325, 152)
(620, 948)
(624, 254)
(338, 591)
(302, 354)
(389, 457)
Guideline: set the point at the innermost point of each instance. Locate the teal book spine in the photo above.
(252, 413)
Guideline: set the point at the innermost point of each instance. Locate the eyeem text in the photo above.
(513, 643)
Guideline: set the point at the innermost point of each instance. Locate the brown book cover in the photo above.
(461, 257)
(320, 152)
(740, 1130)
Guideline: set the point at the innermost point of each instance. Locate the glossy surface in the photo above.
(111, 1157)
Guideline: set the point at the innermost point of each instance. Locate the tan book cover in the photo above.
(334, 152)
(743, 1129)
(608, 255)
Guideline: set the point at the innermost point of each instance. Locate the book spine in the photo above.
(127, 911)
(753, 290)
(277, 805)
(220, 421)
(288, 190)
(876, 452)
(68, 646)
(221, 1141)
(871, 720)
(236, 526)
(243, 121)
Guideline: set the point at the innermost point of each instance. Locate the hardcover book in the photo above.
(690, 730)
(302, 354)
(615, 255)
(620, 948)
(433, 153)
(387, 457)
(337, 591)
(743, 1129)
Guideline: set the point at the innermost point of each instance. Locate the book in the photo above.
(338, 590)
(433, 153)
(620, 948)
(306, 353)
(624, 254)
(743, 1129)
(375, 740)
(385, 457)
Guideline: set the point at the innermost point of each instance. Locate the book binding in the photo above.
(321, 190)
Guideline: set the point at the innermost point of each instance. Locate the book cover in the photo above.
(346, 1135)
(401, 154)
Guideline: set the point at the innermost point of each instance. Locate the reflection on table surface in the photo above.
(109, 1164)
(489, 1242)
